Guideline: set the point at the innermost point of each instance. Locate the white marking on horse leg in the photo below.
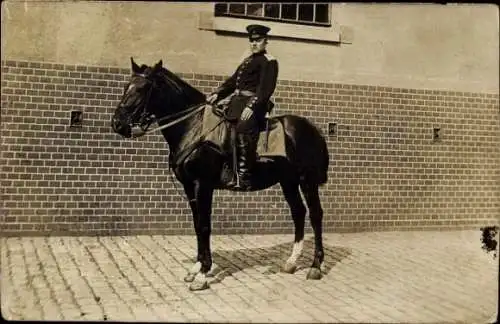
(322, 267)
(196, 268)
(212, 270)
(296, 252)
(200, 282)
(200, 276)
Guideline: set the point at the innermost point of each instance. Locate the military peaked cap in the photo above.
(257, 31)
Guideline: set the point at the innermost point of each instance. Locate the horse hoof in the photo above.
(189, 277)
(196, 285)
(289, 268)
(314, 274)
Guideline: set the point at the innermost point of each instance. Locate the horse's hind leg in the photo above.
(311, 195)
(298, 211)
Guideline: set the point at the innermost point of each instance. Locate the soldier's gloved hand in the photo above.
(212, 98)
(246, 114)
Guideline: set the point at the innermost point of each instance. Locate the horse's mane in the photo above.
(183, 90)
(181, 96)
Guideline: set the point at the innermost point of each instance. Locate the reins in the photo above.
(185, 114)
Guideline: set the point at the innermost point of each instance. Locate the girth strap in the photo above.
(247, 93)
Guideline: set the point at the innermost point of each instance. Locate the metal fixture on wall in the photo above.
(437, 134)
(76, 118)
(332, 128)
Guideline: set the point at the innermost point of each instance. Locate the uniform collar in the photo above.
(259, 53)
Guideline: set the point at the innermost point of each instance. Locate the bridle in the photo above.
(146, 118)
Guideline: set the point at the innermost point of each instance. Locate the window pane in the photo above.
(272, 10)
(254, 9)
(318, 13)
(306, 12)
(237, 8)
(220, 8)
(322, 13)
(289, 11)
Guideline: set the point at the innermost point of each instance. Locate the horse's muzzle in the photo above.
(121, 128)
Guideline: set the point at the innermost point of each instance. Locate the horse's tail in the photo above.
(310, 150)
(323, 160)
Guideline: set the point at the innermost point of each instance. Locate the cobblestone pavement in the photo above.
(369, 277)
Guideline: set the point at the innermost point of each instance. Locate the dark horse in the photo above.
(156, 94)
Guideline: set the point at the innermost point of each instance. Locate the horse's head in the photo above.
(151, 92)
(136, 107)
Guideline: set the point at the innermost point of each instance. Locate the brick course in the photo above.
(386, 170)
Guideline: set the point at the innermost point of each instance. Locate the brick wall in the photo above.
(386, 171)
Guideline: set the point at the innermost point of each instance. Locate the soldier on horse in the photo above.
(247, 93)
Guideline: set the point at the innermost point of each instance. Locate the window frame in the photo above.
(244, 15)
(224, 26)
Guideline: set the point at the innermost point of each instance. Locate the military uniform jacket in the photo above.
(258, 73)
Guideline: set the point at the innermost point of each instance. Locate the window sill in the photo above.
(207, 21)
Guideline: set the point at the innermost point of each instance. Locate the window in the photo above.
(298, 13)
(315, 20)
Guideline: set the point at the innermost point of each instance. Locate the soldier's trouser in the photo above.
(246, 143)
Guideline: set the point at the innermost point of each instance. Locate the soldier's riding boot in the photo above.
(247, 146)
(234, 165)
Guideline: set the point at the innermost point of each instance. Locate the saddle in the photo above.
(271, 142)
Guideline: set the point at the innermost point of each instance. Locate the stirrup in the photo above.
(244, 185)
(233, 182)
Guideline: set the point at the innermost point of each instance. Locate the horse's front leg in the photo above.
(202, 214)
(189, 189)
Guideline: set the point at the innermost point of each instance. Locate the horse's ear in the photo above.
(158, 65)
(135, 67)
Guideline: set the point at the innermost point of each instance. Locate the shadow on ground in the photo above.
(269, 260)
